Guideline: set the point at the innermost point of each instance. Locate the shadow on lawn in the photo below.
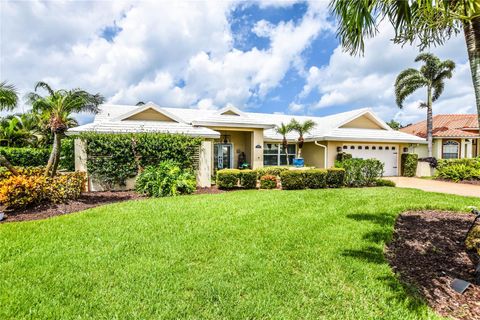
(382, 219)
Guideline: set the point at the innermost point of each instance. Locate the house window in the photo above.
(274, 155)
(450, 149)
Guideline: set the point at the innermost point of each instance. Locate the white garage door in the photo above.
(385, 153)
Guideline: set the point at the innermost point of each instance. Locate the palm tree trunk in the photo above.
(300, 146)
(429, 122)
(4, 162)
(53, 153)
(285, 146)
(472, 38)
(56, 159)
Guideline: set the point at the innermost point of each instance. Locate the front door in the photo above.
(223, 156)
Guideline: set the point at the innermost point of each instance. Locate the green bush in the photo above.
(343, 156)
(361, 172)
(315, 178)
(26, 171)
(409, 164)
(273, 170)
(67, 155)
(248, 179)
(26, 157)
(473, 239)
(268, 182)
(165, 180)
(335, 177)
(228, 178)
(458, 172)
(113, 158)
(292, 180)
(384, 183)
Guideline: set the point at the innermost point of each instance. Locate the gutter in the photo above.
(324, 154)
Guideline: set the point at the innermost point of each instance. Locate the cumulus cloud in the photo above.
(367, 81)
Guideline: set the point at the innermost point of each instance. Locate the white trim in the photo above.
(231, 109)
(232, 124)
(149, 105)
(330, 138)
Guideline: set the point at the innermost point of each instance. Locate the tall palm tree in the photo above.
(284, 129)
(431, 22)
(302, 129)
(8, 102)
(432, 76)
(57, 106)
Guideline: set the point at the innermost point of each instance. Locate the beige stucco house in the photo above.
(455, 136)
(232, 137)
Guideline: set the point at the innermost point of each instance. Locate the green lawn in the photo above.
(253, 254)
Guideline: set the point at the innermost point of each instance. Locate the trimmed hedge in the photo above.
(335, 177)
(268, 182)
(341, 156)
(361, 172)
(409, 164)
(315, 178)
(248, 179)
(228, 178)
(292, 180)
(26, 157)
(273, 171)
(384, 183)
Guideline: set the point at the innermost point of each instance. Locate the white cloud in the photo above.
(368, 81)
(296, 107)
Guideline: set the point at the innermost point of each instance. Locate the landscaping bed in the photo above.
(428, 252)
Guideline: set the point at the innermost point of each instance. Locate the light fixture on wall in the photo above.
(339, 149)
(225, 139)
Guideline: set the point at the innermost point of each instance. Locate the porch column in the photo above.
(468, 148)
(80, 151)
(257, 148)
(204, 173)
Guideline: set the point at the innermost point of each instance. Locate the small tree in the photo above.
(57, 107)
(301, 129)
(431, 76)
(8, 102)
(284, 129)
(395, 125)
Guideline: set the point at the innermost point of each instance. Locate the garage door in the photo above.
(388, 155)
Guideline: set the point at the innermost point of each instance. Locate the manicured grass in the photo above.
(250, 254)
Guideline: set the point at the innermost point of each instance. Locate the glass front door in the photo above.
(223, 156)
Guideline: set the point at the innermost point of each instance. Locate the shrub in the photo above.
(315, 178)
(384, 183)
(292, 180)
(28, 171)
(26, 157)
(432, 161)
(228, 178)
(165, 180)
(67, 155)
(473, 239)
(17, 192)
(335, 177)
(409, 164)
(113, 158)
(268, 182)
(273, 170)
(341, 156)
(458, 172)
(248, 179)
(361, 172)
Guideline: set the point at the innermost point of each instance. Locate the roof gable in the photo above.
(150, 112)
(364, 120)
(231, 111)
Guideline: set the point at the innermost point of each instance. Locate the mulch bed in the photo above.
(428, 251)
(87, 200)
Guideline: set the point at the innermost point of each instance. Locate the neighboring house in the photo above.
(454, 136)
(232, 136)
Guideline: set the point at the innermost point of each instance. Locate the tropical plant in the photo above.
(58, 106)
(432, 76)
(284, 129)
(395, 125)
(429, 21)
(8, 101)
(301, 128)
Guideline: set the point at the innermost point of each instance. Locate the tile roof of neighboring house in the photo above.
(447, 125)
(111, 118)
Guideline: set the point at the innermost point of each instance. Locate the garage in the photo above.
(387, 154)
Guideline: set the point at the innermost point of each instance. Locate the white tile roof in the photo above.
(195, 121)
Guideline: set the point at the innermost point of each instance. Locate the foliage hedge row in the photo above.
(17, 192)
(268, 181)
(312, 179)
(233, 178)
(113, 158)
(273, 171)
(458, 169)
(409, 164)
(361, 172)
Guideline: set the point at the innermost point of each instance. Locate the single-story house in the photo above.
(232, 137)
(455, 136)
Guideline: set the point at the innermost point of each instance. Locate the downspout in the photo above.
(324, 154)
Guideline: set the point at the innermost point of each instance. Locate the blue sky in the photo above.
(261, 56)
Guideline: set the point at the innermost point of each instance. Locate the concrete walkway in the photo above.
(461, 189)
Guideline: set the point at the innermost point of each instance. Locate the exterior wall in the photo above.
(240, 141)
(362, 122)
(314, 155)
(257, 153)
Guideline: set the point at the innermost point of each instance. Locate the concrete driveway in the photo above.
(461, 189)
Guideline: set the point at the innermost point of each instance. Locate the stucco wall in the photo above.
(314, 155)
(240, 141)
(363, 122)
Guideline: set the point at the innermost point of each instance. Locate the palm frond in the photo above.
(438, 88)
(45, 86)
(8, 96)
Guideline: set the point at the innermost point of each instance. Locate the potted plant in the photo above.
(302, 129)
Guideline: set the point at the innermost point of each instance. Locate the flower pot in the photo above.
(298, 162)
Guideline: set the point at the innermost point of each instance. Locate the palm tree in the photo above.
(301, 129)
(8, 101)
(432, 76)
(284, 129)
(57, 106)
(431, 22)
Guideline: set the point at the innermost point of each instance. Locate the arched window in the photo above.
(450, 149)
